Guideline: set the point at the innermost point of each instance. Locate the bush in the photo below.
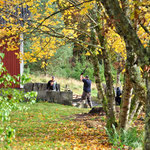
(125, 138)
(9, 99)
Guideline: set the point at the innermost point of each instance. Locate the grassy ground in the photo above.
(74, 85)
(49, 126)
(52, 126)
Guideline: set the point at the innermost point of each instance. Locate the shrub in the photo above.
(130, 138)
(9, 99)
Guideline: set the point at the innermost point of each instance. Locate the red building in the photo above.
(13, 65)
(11, 62)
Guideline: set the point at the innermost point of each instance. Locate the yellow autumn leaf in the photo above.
(123, 71)
(87, 54)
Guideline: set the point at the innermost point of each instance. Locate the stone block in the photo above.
(28, 87)
(59, 97)
(44, 86)
(66, 95)
(35, 87)
(53, 96)
(40, 86)
(41, 95)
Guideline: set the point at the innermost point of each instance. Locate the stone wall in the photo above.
(39, 87)
(60, 97)
(35, 87)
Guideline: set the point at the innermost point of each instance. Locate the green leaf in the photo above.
(2, 55)
(1, 65)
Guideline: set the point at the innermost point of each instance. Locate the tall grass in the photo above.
(130, 138)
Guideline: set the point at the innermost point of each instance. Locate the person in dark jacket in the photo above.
(118, 96)
(86, 95)
(52, 84)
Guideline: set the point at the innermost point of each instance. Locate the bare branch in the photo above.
(145, 29)
(59, 35)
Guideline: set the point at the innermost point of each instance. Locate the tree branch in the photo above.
(145, 29)
(61, 11)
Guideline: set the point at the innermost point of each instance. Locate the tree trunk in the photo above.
(95, 62)
(133, 112)
(135, 48)
(132, 79)
(123, 27)
(118, 78)
(119, 69)
(110, 89)
(138, 85)
(126, 102)
(141, 106)
(98, 81)
(109, 80)
(147, 118)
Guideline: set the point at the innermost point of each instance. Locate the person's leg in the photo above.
(83, 99)
(84, 96)
(116, 100)
(89, 100)
(119, 100)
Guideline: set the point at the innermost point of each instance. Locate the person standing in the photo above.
(52, 84)
(118, 96)
(86, 95)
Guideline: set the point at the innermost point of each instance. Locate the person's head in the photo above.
(86, 77)
(53, 78)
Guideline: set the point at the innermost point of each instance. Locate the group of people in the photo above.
(86, 95)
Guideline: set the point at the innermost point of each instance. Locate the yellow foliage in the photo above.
(45, 47)
(87, 54)
(123, 71)
(116, 43)
(141, 69)
(1, 2)
(86, 7)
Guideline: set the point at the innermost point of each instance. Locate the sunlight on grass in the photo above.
(43, 125)
(53, 126)
(56, 127)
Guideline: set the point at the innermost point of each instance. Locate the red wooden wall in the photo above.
(11, 62)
